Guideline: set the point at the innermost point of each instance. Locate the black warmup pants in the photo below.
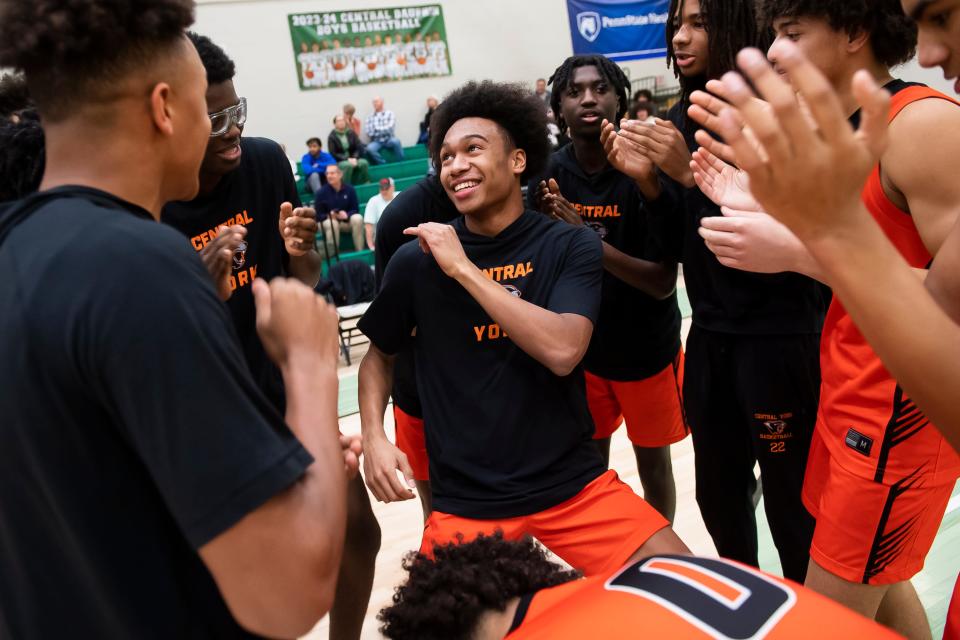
(753, 398)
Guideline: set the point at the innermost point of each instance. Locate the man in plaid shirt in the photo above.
(379, 128)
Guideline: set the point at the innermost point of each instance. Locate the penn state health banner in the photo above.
(359, 47)
(619, 29)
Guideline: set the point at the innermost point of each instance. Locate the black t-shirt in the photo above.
(249, 196)
(425, 201)
(636, 335)
(724, 299)
(132, 432)
(505, 436)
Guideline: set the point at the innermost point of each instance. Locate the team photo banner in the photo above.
(360, 47)
(619, 29)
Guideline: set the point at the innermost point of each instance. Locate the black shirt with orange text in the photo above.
(637, 336)
(249, 196)
(505, 436)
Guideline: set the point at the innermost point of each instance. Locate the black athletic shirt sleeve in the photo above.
(577, 289)
(213, 444)
(390, 319)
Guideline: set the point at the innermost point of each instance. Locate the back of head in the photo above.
(511, 106)
(218, 65)
(444, 597)
(78, 52)
(893, 35)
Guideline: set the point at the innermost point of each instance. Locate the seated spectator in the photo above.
(542, 92)
(375, 207)
(379, 127)
(432, 103)
(338, 210)
(346, 147)
(642, 111)
(350, 113)
(314, 164)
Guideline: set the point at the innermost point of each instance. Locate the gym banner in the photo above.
(359, 47)
(619, 29)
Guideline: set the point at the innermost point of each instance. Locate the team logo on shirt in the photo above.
(599, 228)
(776, 430)
(240, 255)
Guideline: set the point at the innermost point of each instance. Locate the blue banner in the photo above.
(619, 29)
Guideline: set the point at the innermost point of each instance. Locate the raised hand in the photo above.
(626, 155)
(663, 144)
(298, 227)
(217, 257)
(751, 241)
(724, 184)
(441, 241)
(295, 323)
(812, 169)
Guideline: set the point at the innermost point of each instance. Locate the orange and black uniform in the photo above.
(686, 597)
(426, 201)
(880, 474)
(249, 196)
(509, 442)
(634, 366)
(751, 382)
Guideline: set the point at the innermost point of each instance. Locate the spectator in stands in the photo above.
(643, 111)
(379, 127)
(432, 103)
(338, 210)
(542, 92)
(314, 164)
(346, 147)
(375, 207)
(350, 113)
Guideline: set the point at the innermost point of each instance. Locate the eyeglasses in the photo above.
(221, 121)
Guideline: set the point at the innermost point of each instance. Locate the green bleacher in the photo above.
(412, 168)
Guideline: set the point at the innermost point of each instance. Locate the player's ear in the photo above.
(518, 160)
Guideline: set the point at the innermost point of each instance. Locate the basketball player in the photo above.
(634, 366)
(142, 468)
(878, 465)
(461, 593)
(502, 304)
(866, 271)
(247, 182)
(743, 404)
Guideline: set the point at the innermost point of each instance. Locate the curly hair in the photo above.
(517, 112)
(217, 63)
(75, 50)
(609, 71)
(22, 156)
(893, 35)
(731, 25)
(14, 95)
(444, 597)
